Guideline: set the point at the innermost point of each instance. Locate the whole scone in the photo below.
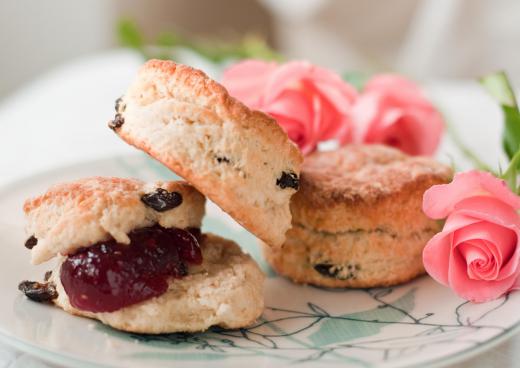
(239, 158)
(358, 220)
(131, 254)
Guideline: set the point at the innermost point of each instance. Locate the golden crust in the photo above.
(365, 187)
(182, 118)
(193, 86)
(80, 213)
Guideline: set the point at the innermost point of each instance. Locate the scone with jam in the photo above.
(132, 255)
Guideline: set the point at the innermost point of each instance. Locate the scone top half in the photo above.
(241, 159)
(74, 215)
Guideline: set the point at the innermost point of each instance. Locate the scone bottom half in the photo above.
(109, 278)
(358, 219)
(239, 158)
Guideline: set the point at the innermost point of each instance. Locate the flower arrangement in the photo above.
(315, 105)
(477, 253)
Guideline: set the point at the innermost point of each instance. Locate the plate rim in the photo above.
(55, 357)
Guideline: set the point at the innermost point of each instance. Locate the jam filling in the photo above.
(108, 276)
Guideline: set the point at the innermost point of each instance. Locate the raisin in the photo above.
(340, 272)
(120, 106)
(47, 275)
(117, 122)
(161, 200)
(221, 159)
(31, 242)
(288, 180)
(39, 292)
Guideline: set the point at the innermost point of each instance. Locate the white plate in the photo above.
(417, 324)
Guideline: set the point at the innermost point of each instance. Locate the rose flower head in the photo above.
(393, 111)
(312, 104)
(477, 253)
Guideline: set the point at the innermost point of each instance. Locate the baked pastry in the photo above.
(240, 159)
(131, 255)
(358, 220)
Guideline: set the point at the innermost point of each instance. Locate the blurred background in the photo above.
(425, 39)
(65, 62)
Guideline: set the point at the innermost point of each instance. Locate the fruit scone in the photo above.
(239, 158)
(131, 255)
(358, 220)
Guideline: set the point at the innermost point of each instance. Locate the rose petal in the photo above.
(475, 290)
(367, 113)
(247, 79)
(436, 255)
(330, 121)
(489, 208)
(440, 200)
(504, 240)
(458, 220)
(400, 117)
(398, 90)
(481, 262)
(293, 105)
(401, 133)
(286, 76)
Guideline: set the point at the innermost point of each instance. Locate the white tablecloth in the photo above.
(61, 119)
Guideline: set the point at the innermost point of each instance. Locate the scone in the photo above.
(358, 220)
(240, 159)
(131, 255)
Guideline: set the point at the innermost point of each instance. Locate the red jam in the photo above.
(108, 276)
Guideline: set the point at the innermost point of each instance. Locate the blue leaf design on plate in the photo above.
(353, 326)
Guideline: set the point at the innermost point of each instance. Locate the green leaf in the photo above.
(257, 47)
(500, 89)
(352, 326)
(168, 39)
(250, 46)
(511, 134)
(129, 34)
(356, 79)
(498, 86)
(511, 173)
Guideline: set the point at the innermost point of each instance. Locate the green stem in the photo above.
(511, 173)
(468, 153)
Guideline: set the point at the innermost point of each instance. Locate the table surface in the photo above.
(60, 119)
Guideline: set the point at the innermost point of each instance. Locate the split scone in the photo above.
(358, 220)
(132, 255)
(240, 159)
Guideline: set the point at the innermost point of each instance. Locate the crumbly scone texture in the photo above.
(80, 213)
(358, 220)
(226, 290)
(233, 155)
(354, 259)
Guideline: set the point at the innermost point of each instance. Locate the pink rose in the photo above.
(311, 103)
(393, 111)
(477, 252)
